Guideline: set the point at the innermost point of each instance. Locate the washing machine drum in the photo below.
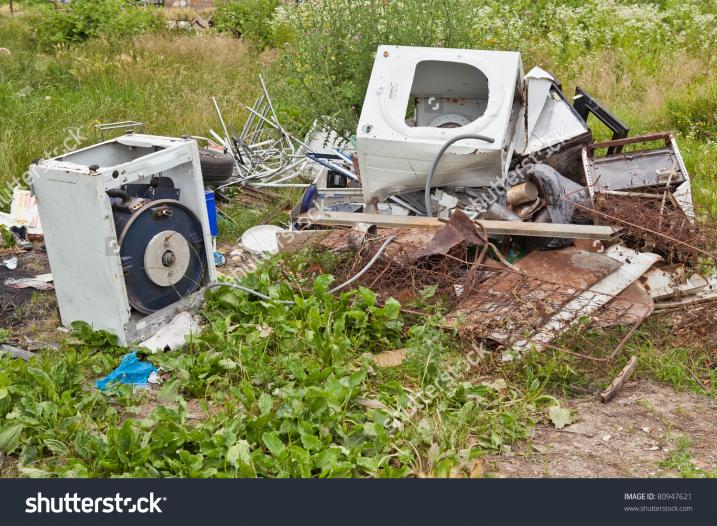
(163, 255)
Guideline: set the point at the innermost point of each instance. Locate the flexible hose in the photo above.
(365, 269)
(118, 192)
(438, 158)
(332, 291)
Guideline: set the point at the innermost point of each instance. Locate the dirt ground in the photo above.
(628, 437)
(31, 315)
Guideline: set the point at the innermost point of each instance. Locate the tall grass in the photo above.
(165, 81)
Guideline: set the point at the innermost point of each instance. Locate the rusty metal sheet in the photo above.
(458, 230)
(508, 304)
(630, 306)
(569, 266)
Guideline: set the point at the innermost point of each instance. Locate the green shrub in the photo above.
(250, 19)
(330, 45)
(85, 19)
(695, 112)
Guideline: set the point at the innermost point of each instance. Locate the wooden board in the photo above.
(513, 228)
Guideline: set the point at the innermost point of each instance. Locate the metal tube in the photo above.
(226, 134)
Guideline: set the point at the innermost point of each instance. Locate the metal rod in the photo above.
(279, 128)
(226, 134)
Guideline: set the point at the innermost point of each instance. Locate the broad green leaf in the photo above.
(310, 442)
(273, 443)
(321, 283)
(56, 446)
(10, 437)
(367, 296)
(391, 309)
(356, 379)
(35, 473)
(560, 416)
(239, 454)
(265, 403)
(227, 364)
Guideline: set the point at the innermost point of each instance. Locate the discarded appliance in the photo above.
(121, 128)
(647, 168)
(127, 232)
(554, 132)
(419, 99)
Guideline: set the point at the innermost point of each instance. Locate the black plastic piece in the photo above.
(158, 188)
(584, 104)
(325, 159)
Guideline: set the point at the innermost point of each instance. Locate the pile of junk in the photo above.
(468, 184)
(481, 188)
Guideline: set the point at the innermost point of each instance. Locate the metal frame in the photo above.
(127, 126)
(682, 194)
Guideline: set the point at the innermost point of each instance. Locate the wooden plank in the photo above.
(513, 228)
(614, 388)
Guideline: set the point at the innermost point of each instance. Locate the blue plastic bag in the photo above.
(129, 371)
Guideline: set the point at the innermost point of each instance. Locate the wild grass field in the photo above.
(275, 391)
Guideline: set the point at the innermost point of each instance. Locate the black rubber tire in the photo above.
(216, 166)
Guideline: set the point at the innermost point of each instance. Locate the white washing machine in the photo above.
(127, 232)
(418, 99)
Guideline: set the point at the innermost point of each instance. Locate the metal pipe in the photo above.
(226, 134)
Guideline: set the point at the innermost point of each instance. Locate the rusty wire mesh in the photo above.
(484, 300)
(437, 279)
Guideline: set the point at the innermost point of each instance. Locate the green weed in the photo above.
(680, 462)
(85, 19)
(250, 19)
(285, 390)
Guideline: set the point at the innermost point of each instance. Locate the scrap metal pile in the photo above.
(481, 189)
(265, 154)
